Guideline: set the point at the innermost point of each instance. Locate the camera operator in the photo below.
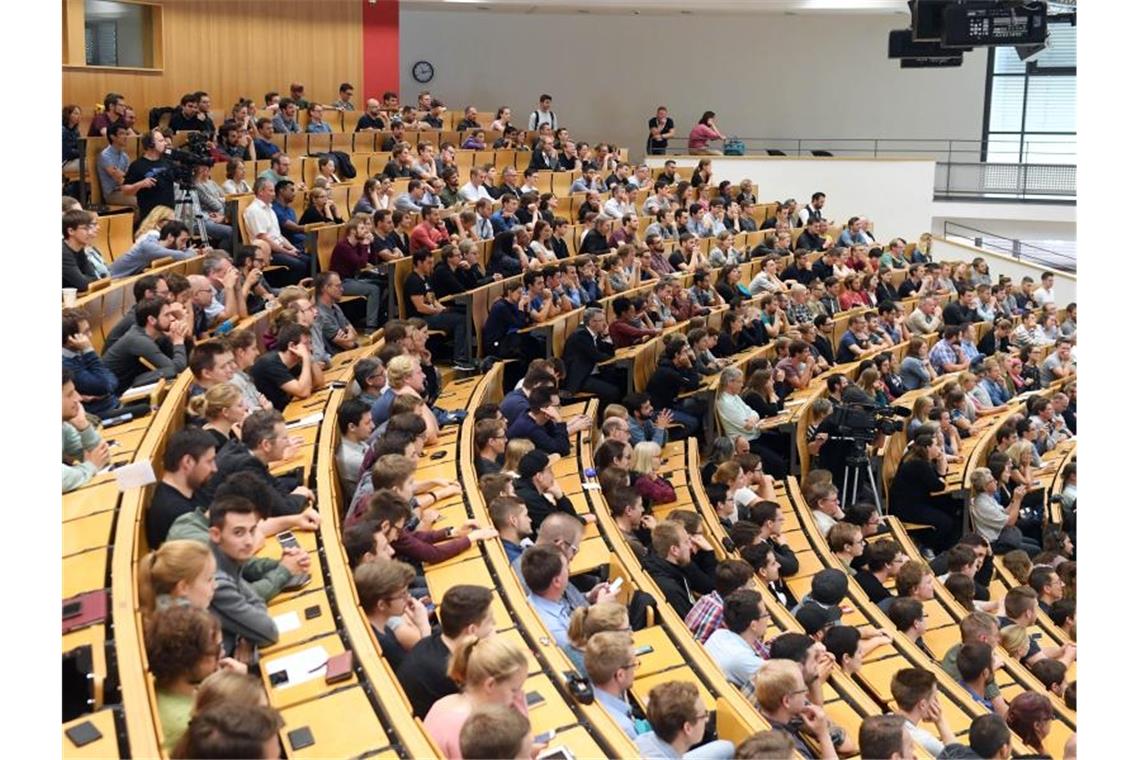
(849, 426)
(153, 174)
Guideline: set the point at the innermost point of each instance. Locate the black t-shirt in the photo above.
(876, 591)
(166, 506)
(367, 121)
(659, 144)
(269, 373)
(423, 674)
(162, 194)
(390, 646)
(415, 285)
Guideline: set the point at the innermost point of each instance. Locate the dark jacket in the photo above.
(677, 584)
(551, 437)
(235, 456)
(668, 382)
(581, 354)
(537, 505)
(92, 378)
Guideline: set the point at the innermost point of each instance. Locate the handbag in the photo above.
(734, 146)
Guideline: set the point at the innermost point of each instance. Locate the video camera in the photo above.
(862, 422)
(196, 153)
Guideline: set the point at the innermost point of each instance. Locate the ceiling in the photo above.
(667, 7)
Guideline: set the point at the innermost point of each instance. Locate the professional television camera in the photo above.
(862, 422)
(183, 163)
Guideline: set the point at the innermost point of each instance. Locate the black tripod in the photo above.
(857, 466)
(186, 205)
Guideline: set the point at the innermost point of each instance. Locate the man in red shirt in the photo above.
(352, 259)
(430, 233)
(624, 332)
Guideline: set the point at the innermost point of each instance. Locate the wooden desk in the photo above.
(471, 572)
(515, 637)
(85, 571)
(552, 712)
(664, 656)
(644, 684)
(297, 604)
(592, 553)
(343, 724)
(105, 746)
(579, 742)
(88, 532)
(287, 695)
(90, 499)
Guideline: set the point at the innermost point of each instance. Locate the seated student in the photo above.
(545, 570)
(399, 620)
(671, 566)
(628, 511)
(611, 666)
(365, 541)
(781, 695)
(846, 542)
(915, 693)
(188, 462)
(884, 559)
(1021, 609)
(975, 670)
(93, 379)
(242, 613)
(231, 729)
(885, 736)
(182, 649)
(465, 610)
(679, 720)
(288, 372)
(422, 547)
(178, 573)
(489, 671)
(84, 451)
(490, 444)
(849, 645)
(977, 628)
(510, 518)
(539, 490)
(354, 419)
(154, 347)
(908, 616)
(493, 732)
(707, 615)
(170, 244)
(543, 424)
(733, 647)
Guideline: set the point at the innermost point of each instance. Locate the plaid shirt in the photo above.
(798, 313)
(707, 615)
(942, 354)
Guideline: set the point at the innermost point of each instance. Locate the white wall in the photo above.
(899, 205)
(1021, 221)
(764, 75)
(1064, 283)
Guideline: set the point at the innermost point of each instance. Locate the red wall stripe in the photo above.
(380, 29)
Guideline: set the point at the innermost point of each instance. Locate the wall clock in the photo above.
(423, 71)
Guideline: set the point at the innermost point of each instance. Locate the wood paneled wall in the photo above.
(231, 49)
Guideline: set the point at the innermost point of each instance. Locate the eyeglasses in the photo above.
(633, 665)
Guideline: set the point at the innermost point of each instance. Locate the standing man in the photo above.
(151, 175)
(660, 130)
(543, 115)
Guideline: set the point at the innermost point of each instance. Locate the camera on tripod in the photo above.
(863, 422)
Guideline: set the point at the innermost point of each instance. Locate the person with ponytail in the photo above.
(586, 621)
(177, 573)
(489, 671)
(223, 408)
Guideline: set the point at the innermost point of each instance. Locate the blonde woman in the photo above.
(1021, 458)
(517, 448)
(153, 221)
(1015, 641)
(586, 621)
(920, 415)
(178, 572)
(646, 464)
(489, 671)
(223, 408)
(406, 377)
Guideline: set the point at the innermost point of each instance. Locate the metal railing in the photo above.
(1055, 254)
(960, 172)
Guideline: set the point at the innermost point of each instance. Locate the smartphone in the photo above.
(556, 753)
(645, 649)
(338, 384)
(615, 584)
(533, 698)
(545, 738)
(439, 455)
(83, 734)
(71, 609)
(300, 738)
(288, 540)
(278, 678)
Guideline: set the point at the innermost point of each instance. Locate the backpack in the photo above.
(734, 146)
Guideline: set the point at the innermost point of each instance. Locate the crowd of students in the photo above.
(204, 587)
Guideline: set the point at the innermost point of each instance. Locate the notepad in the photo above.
(299, 667)
(306, 421)
(135, 475)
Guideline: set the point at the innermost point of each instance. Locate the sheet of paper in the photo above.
(299, 666)
(306, 421)
(135, 475)
(139, 391)
(290, 621)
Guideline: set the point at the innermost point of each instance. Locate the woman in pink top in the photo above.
(488, 671)
(704, 131)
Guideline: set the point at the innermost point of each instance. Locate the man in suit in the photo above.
(587, 346)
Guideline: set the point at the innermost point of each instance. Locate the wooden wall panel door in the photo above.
(233, 49)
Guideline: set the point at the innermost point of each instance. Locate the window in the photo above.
(115, 33)
(1031, 108)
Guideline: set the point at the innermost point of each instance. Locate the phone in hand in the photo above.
(287, 540)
